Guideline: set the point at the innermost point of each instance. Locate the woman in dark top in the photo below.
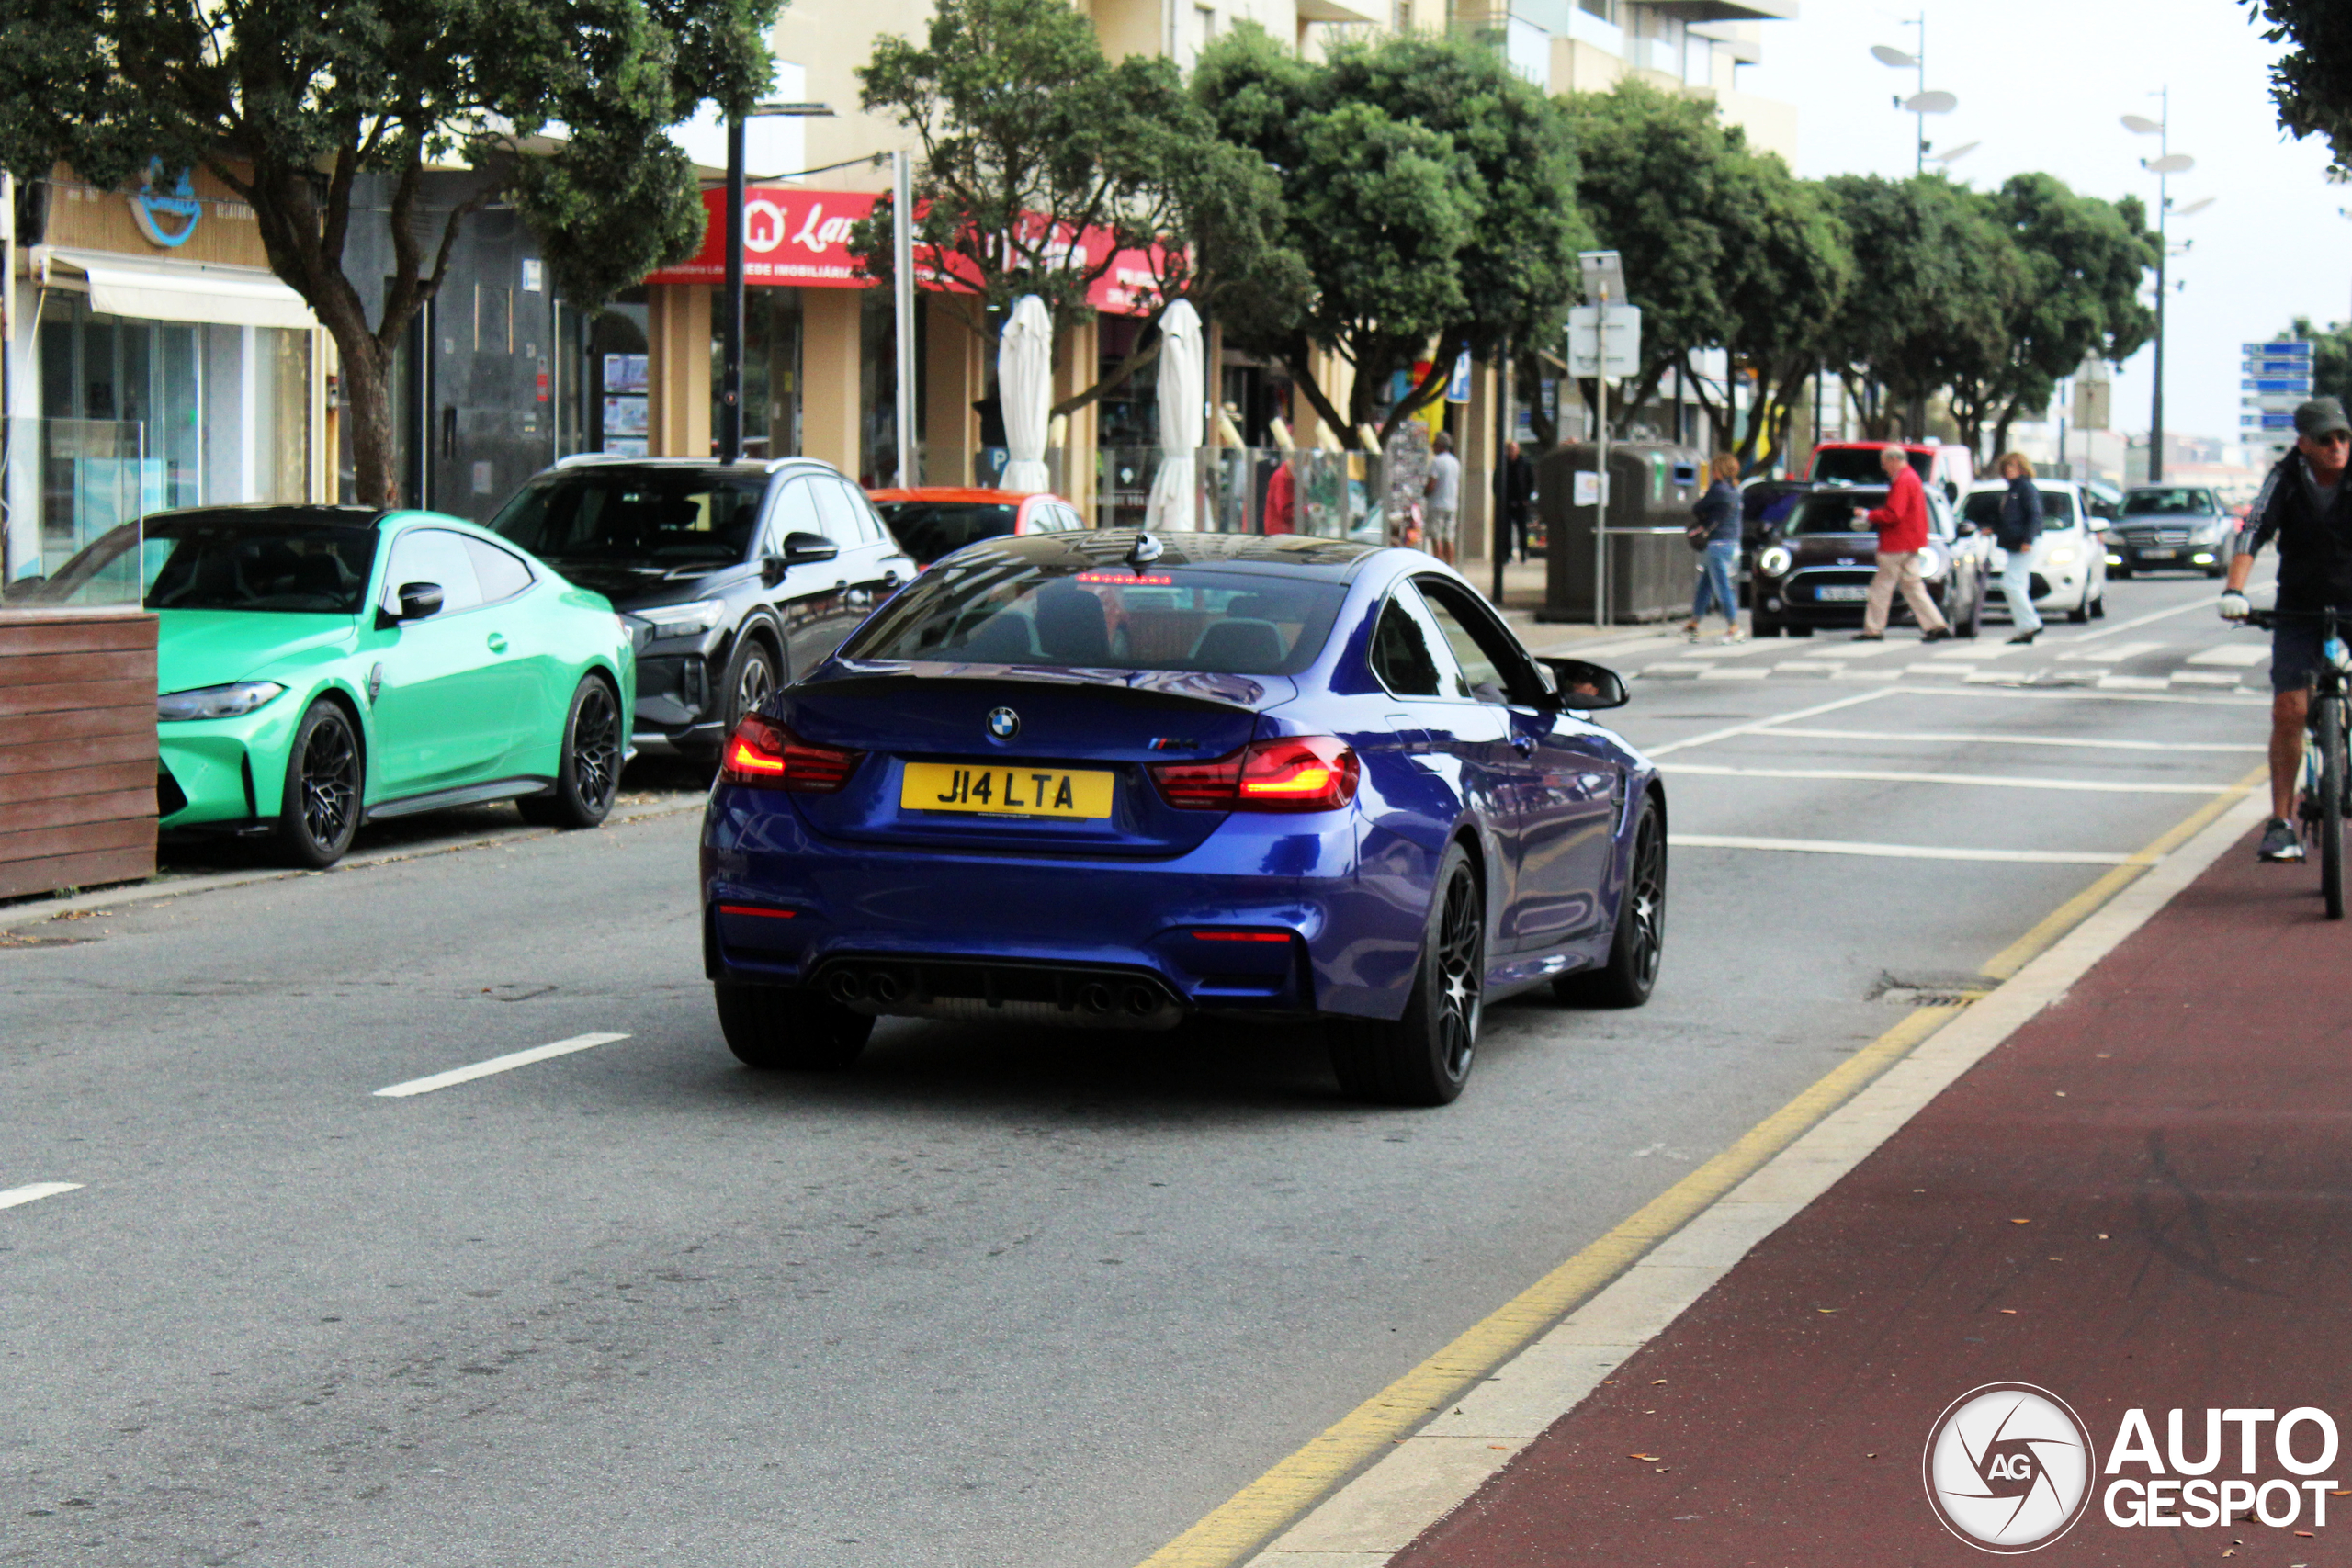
(1718, 513)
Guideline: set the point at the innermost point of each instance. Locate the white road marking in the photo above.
(1930, 737)
(1733, 672)
(2244, 655)
(1891, 852)
(1755, 724)
(1689, 671)
(2114, 655)
(2201, 678)
(11, 1197)
(1956, 671)
(506, 1064)
(1993, 781)
(2079, 694)
(2135, 682)
(2138, 621)
(1805, 667)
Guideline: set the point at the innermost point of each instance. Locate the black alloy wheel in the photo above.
(751, 682)
(1631, 972)
(1425, 1057)
(588, 776)
(319, 813)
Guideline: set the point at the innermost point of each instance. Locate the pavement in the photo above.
(2135, 1200)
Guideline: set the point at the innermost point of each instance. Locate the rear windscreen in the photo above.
(1860, 466)
(991, 612)
(930, 529)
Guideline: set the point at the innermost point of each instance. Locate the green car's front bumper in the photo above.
(226, 772)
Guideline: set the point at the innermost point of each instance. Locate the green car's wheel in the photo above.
(589, 777)
(320, 810)
(1424, 1058)
(774, 1026)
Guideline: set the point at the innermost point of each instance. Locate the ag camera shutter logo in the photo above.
(2008, 1468)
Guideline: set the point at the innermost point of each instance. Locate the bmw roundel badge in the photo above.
(1004, 723)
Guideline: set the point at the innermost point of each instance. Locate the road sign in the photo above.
(2260, 420)
(1624, 341)
(1457, 386)
(2276, 403)
(2275, 386)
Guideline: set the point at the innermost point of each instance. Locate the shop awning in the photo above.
(185, 291)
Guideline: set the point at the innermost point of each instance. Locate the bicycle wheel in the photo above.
(2330, 738)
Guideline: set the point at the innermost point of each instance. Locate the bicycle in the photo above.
(2323, 803)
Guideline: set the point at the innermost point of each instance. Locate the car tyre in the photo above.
(319, 813)
(778, 1029)
(1425, 1057)
(751, 680)
(588, 776)
(1631, 972)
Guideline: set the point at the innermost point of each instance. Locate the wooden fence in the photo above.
(77, 748)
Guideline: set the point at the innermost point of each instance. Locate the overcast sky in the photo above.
(2041, 83)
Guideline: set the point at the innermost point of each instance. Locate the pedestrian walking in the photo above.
(1716, 532)
(1514, 499)
(1281, 500)
(2019, 526)
(1442, 490)
(1902, 526)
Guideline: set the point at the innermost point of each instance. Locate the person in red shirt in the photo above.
(1902, 525)
(1282, 500)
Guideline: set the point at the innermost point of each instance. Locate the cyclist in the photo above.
(2305, 505)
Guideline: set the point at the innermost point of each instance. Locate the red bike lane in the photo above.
(2142, 1200)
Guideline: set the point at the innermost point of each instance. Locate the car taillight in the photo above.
(766, 755)
(1298, 772)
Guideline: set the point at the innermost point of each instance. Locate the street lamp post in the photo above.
(2166, 164)
(731, 332)
(1921, 103)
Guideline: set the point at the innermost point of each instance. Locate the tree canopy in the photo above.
(289, 105)
(2311, 83)
(1426, 186)
(1030, 136)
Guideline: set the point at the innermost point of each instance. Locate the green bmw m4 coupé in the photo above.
(324, 666)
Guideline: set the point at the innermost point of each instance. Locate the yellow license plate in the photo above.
(1005, 791)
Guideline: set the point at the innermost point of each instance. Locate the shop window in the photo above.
(771, 372)
(616, 394)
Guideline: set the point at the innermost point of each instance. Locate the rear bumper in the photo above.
(782, 905)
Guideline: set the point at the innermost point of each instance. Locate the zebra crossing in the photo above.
(2140, 664)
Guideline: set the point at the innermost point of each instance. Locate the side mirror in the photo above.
(799, 549)
(1579, 683)
(418, 602)
(772, 568)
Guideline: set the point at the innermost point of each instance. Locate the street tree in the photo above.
(1653, 173)
(289, 105)
(2084, 262)
(2311, 83)
(1937, 283)
(1782, 280)
(1030, 138)
(2331, 357)
(1427, 188)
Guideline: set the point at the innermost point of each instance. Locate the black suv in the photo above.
(735, 577)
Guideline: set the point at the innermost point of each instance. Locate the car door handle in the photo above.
(1524, 744)
(497, 643)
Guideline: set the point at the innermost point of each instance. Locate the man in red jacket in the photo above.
(1902, 525)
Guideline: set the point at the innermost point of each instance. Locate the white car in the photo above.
(2069, 559)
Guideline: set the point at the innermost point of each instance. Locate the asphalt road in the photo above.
(993, 1296)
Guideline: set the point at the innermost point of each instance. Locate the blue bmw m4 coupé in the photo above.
(1117, 780)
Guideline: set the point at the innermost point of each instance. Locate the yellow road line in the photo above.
(2082, 905)
(1262, 1510)
(1256, 1513)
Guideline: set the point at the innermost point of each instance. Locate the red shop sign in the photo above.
(798, 238)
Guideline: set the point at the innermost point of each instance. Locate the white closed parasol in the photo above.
(1025, 382)
(1172, 489)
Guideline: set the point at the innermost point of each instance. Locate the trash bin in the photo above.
(1652, 568)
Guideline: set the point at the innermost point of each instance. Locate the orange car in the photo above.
(935, 519)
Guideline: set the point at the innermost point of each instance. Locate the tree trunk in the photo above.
(367, 400)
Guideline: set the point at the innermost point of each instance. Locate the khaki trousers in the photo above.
(1891, 574)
